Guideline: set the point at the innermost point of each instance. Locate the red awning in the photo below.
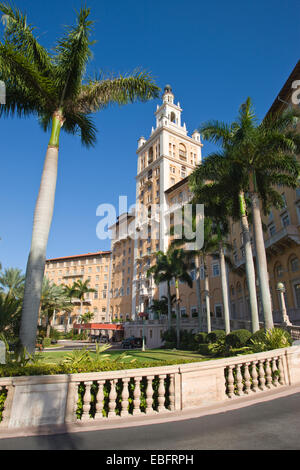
(98, 326)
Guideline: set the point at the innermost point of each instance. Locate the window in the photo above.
(272, 230)
(194, 311)
(182, 152)
(283, 199)
(285, 220)
(218, 311)
(183, 312)
(297, 294)
(294, 265)
(279, 271)
(216, 270)
(183, 172)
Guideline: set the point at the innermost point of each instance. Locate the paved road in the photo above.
(270, 425)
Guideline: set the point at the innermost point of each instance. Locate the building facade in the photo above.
(164, 162)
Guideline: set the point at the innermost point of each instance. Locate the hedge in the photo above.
(215, 335)
(238, 338)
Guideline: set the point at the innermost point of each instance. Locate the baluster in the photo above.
(261, 373)
(172, 392)
(239, 380)
(76, 396)
(149, 395)
(112, 399)
(268, 373)
(86, 401)
(125, 396)
(230, 382)
(161, 393)
(254, 376)
(281, 372)
(100, 398)
(247, 378)
(275, 372)
(136, 396)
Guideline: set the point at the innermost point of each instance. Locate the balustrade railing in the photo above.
(245, 377)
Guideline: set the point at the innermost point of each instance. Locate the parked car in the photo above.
(131, 343)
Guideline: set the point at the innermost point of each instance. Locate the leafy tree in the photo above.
(53, 86)
(10, 315)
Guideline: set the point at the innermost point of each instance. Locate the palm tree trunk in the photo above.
(198, 291)
(262, 267)
(207, 299)
(169, 306)
(177, 314)
(40, 232)
(250, 271)
(224, 288)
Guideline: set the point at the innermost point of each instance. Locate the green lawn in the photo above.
(142, 356)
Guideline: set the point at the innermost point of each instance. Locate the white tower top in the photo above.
(168, 114)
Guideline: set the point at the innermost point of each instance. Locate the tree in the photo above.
(12, 280)
(160, 306)
(86, 317)
(161, 272)
(53, 87)
(53, 298)
(79, 290)
(260, 157)
(218, 209)
(10, 315)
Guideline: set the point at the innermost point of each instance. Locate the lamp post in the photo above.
(281, 290)
(143, 316)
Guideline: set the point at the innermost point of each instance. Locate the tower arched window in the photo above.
(173, 117)
(182, 152)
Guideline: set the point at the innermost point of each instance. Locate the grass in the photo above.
(52, 357)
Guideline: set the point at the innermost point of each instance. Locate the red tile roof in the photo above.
(80, 256)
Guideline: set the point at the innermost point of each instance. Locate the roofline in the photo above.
(177, 185)
(80, 256)
(285, 90)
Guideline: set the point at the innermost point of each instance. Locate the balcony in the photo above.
(286, 237)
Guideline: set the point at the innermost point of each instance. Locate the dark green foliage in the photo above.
(238, 338)
(259, 335)
(3, 395)
(187, 341)
(204, 350)
(15, 370)
(201, 338)
(215, 335)
(46, 342)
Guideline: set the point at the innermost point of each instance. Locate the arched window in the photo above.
(150, 155)
(182, 152)
(294, 263)
(173, 117)
(279, 270)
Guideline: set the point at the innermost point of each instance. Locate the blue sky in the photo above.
(214, 54)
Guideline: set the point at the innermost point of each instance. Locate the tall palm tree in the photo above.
(262, 157)
(53, 87)
(12, 281)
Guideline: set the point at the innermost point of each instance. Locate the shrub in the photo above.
(201, 338)
(259, 336)
(272, 339)
(204, 349)
(238, 338)
(46, 342)
(215, 335)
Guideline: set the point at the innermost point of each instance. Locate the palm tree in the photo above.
(86, 317)
(52, 86)
(160, 306)
(79, 290)
(12, 280)
(261, 157)
(161, 272)
(53, 298)
(10, 315)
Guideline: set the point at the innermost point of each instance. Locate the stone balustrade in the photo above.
(117, 395)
